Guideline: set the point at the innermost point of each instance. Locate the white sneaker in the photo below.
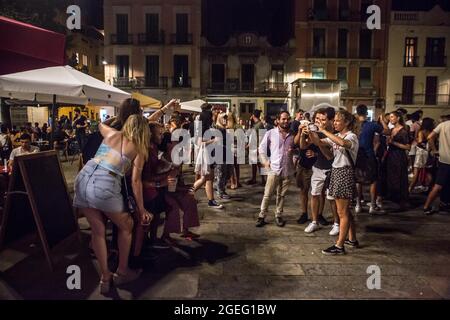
(379, 204)
(313, 226)
(358, 209)
(375, 210)
(335, 230)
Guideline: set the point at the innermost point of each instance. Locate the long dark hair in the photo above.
(128, 107)
(427, 124)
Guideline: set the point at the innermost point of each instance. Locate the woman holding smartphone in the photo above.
(342, 187)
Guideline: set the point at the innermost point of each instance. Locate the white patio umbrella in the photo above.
(64, 83)
(59, 85)
(192, 106)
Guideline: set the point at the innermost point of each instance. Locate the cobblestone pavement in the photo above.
(235, 260)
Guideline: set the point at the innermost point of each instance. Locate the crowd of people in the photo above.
(331, 154)
(31, 138)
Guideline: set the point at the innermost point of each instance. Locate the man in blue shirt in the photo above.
(366, 153)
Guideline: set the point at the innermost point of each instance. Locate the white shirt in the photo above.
(281, 152)
(20, 151)
(340, 155)
(443, 130)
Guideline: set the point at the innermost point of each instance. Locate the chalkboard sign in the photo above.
(38, 199)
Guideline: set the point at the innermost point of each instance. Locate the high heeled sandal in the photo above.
(105, 286)
(121, 279)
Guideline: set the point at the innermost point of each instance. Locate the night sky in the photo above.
(222, 18)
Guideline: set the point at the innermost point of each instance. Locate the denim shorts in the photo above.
(97, 188)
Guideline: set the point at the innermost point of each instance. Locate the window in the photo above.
(152, 71)
(435, 55)
(97, 60)
(364, 5)
(431, 91)
(182, 27)
(85, 60)
(277, 73)
(122, 63)
(410, 58)
(320, 9)
(152, 28)
(342, 43)
(365, 77)
(365, 44)
(152, 23)
(342, 77)
(248, 77)
(318, 42)
(344, 11)
(122, 28)
(407, 90)
(342, 73)
(318, 73)
(181, 71)
(218, 76)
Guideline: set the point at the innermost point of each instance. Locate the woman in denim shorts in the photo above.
(98, 194)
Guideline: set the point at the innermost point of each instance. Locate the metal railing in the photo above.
(125, 38)
(410, 61)
(265, 87)
(315, 53)
(435, 61)
(151, 38)
(422, 99)
(150, 82)
(181, 38)
(181, 82)
(406, 16)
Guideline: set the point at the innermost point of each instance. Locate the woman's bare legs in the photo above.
(125, 224)
(97, 224)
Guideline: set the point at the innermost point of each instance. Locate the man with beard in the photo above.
(279, 166)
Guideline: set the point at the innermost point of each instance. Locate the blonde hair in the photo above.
(220, 116)
(232, 121)
(136, 130)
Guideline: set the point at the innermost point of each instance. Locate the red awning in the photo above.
(27, 47)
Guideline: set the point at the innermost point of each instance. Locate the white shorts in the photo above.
(318, 180)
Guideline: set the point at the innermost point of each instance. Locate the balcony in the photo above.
(435, 61)
(273, 87)
(177, 38)
(179, 82)
(318, 15)
(150, 82)
(410, 61)
(314, 53)
(422, 99)
(141, 82)
(406, 16)
(123, 82)
(151, 38)
(359, 92)
(233, 86)
(125, 38)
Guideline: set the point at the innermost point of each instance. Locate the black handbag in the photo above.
(130, 201)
